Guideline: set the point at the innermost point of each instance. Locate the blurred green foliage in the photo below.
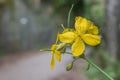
(62, 7)
(66, 4)
(90, 9)
(94, 10)
(2, 53)
(7, 4)
(108, 63)
(28, 3)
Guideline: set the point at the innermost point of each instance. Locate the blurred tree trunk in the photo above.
(113, 26)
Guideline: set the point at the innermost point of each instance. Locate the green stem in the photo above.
(63, 26)
(45, 50)
(104, 73)
(68, 23)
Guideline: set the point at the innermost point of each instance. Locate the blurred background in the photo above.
(26, 26)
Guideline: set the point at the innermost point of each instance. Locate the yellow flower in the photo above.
(56, 53)
(84, 31)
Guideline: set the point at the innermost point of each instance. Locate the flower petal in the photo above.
(67, 37)
(58, 56)
(92, 40)
(52, 64)
(93, 30)
(53, 48)
(78, 47)
(68, 30)
(82, 25)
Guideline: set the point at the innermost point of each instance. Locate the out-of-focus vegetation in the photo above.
(108, 63)
(90, 9)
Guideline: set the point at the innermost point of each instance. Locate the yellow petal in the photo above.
(53, 48)
(67, 37)
(52, 64)
(82, 25)
(78, 47)
(93, 30)
(68, 30)
(92, 40)
(61, 46)
(58, 55)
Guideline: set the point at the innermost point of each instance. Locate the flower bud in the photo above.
(69, 67)
(60, 46)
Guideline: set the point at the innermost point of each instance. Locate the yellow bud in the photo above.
(61, 46)
(69, 67)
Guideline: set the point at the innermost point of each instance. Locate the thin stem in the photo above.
(104, 73)
(68, 23)
(75, 59)
(45, 50)
(63, 26)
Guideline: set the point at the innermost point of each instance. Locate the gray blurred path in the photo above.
(32, 67)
